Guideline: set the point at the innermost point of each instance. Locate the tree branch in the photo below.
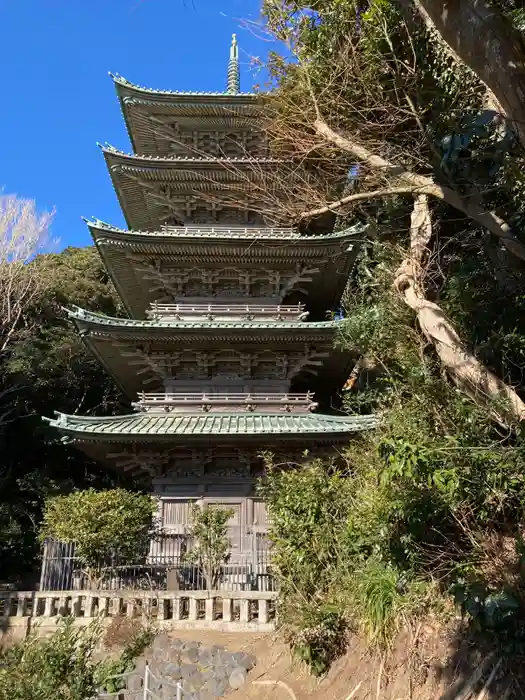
(421, 184)
(333, 206)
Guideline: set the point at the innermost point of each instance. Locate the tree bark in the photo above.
(421, 184)
(488, 44)
(469, 375)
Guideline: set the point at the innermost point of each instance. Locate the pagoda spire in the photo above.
(234, 76)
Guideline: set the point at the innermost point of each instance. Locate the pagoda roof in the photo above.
(91, 319)
(153, 427)
(144, 109)
(125, 87)
(137, 178)
(204, 245)
(118, 344)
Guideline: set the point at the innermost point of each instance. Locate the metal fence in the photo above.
(246, 571)
(149, 688)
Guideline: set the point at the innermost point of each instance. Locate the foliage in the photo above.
(321, 639)
(48, 368)
(409, 509)
(105, 525)
(63, 666)
(109, 675)
(60, 667)
(211, 545)
(490, 609)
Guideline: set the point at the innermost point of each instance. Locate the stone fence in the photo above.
(220, 610)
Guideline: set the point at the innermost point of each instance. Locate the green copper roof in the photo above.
(120, 81)
(255, 233)
(183, 161)
(146, 426)
(78, 314)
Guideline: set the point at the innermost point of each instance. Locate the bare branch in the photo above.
(424, 185)
(358, 196)
(23, 234)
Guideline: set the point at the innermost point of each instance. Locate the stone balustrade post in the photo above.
(48, 606)
(161, 608)
(227, 609)
(176, 605)
(89, 603)
(62, 606)
(115, 606)
(210, 609)
(262, 612)
(244, 611)
(21, 606)
(193, 609)
(76, 605)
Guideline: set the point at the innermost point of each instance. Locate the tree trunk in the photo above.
(469, 375)
(487, 43)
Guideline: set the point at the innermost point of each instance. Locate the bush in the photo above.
(62, 667)
(58, 668)
(105, 525)
(209, 532)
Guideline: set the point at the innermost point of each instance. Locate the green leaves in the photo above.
(63, 666)
(211, 545)
(103, 524)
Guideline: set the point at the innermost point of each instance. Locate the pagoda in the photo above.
(227, 341)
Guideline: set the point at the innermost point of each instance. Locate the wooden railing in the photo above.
(227, 311)
(226, 609)
(268, 403)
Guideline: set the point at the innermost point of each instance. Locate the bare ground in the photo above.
(418, 668)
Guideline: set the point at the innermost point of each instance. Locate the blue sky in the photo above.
(58, 100)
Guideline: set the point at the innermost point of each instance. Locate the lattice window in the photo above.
(267, 366)
(202, 215)
(228, 363)
(177, 512)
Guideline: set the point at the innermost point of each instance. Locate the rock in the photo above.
(188, 670)
(243, 660)
(161, 641)
(173, 671)
(237, 678)
(214, 688)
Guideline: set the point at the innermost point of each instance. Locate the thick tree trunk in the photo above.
(488, 44)
(471, 377)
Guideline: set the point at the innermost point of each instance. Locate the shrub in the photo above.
(103, 524)
(58, 668)
(211, 546)
(62, 666)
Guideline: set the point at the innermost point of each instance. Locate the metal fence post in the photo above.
(146, 682)
(179, 691)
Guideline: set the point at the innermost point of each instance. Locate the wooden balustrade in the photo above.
(207, 609)
(274, 403)
(229, 311)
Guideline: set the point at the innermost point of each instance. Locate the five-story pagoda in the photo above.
(227, 332)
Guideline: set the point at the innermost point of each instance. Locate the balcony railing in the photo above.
(212, 312)
(245, 402)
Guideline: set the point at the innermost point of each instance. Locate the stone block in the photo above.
(135, 682)
(188, 670)
(214, 688)
(237, 678)
(243, 660)
(173, 671)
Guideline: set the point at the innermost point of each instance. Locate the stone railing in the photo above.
(226, 311)
(222, 610)
(262, 403)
